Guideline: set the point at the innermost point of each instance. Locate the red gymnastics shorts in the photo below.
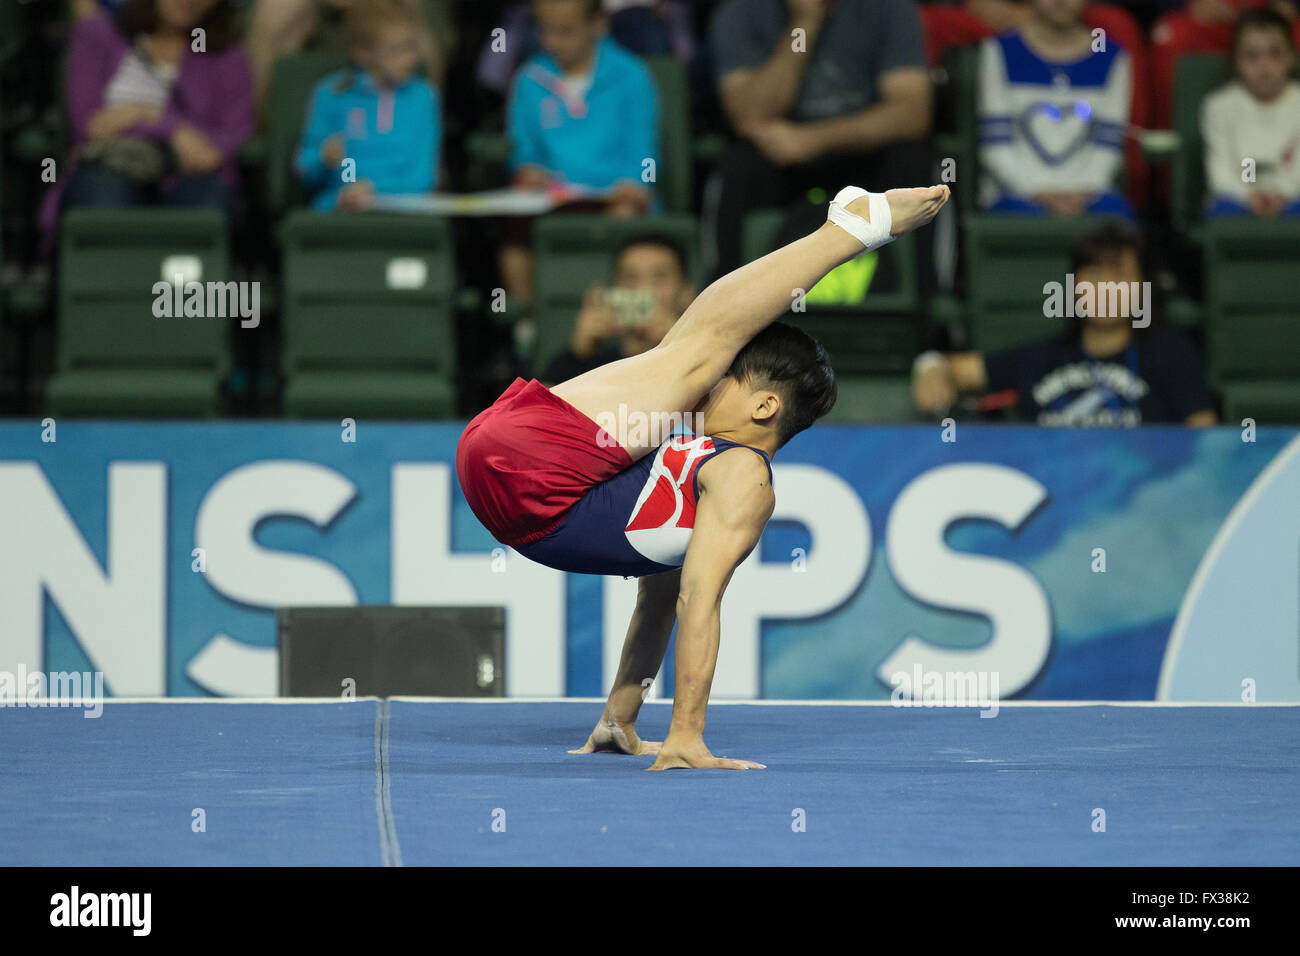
(529, 458)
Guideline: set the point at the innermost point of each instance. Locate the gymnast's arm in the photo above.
(643, 654)
(736, 501)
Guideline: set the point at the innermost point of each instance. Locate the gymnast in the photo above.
(680, 514)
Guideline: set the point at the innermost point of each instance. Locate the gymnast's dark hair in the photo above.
(794, 365)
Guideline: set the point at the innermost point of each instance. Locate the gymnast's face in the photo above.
(740, 412)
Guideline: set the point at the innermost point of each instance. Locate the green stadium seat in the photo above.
(872, 400)
(963, 145)
(1268, 402)
(674, 172)
(1008, 261)
(1195, 78)
(571, 251)
(1252, 297)
(292, 80)
(13, 29)
(369, 328)
(114, 356)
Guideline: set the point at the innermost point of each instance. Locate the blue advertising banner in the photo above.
(1157, 563)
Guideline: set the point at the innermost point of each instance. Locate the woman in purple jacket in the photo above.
(159, 99)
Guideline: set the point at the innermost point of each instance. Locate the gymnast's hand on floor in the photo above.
(692, 754)
(611, 735)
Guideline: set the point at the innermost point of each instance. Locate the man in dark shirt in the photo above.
(649, 263)
(1102, 372)
(820, 92)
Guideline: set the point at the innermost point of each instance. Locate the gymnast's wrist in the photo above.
(624, 704)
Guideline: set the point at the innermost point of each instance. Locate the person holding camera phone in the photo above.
(651, 289)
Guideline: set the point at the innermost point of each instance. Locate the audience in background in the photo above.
(283, 27)
(646, 27)
(1053, 114)
(821, 94)
(157, 111)
(957, 23)
(1201, 26)
(611, 327)
(374, 128)
(1251, 126)
(1101, 372)
(81, 9)
(583, 122)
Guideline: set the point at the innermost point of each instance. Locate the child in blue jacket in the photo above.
(375, 127)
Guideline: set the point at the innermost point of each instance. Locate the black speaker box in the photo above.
(392, 651)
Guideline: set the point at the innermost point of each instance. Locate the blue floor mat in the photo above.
(280, 784)
(490, 783)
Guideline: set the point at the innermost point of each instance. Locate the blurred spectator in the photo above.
(283, 27)
(1202, 26)
(585, 111)
(583, 120)
(646, 27)
(81, 9)
(959, 24)
(374, 128)
(1002, 16)
(157, 113)
(1255, 117)
(823, 93)
(1053, 112)
(650, 292)
(967, 22)
(1101, 372)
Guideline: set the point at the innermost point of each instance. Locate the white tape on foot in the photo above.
(873, 234)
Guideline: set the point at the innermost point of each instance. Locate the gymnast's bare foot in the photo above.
(610, 735)
(909, 208)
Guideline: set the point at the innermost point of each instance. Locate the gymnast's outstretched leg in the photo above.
(677, 374)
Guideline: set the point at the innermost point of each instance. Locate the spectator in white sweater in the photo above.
(1251, 126)
(1053, 110)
